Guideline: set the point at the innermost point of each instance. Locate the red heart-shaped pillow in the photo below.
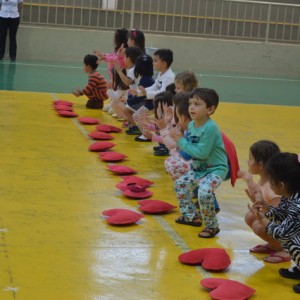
(112, 156)
(122, 216)
(88, 120)
(99, 135)
(137, 192)
(63, 107)
(225, 289)
(64, 102)
(137, 180)
(66, 113)
(108, 128)
(214, 259)
(121, 169)
(101, 146)
(155, 206)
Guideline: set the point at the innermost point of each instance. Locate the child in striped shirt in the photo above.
(96, 88)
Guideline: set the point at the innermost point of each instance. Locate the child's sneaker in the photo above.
(133, 130)
(296, 288)
(111, 111)
(162, 151)
(293, 273)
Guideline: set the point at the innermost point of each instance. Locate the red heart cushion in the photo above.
(225, 289)
(112, 156)
(214, 259)
(137, 192)
(101, 146)
(64, 102)
(88, 120)
(108, 128)
(137, 180)
(122, 216)
(66, 113)
(98, 135)
(121, 169)
(155, 206)
(63, 107)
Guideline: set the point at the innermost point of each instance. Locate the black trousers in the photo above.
(10, 25)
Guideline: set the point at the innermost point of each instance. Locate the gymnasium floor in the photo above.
(55, 244)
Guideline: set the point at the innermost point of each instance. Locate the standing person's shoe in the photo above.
(94, 104)
(293, 273)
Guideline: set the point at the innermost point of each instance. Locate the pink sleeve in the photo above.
(167, 140)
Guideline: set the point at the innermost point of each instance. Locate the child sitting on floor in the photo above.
(282, 222)
(96, 88)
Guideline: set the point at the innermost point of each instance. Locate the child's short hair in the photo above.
(181, 105)
(91, 60)
(133, 53)
(165, 55)
(285, 167)
(263, 150)
(120, 38)
(138, 37)
(143, 66)
(162, 98)
(209, 96)
(188, 80)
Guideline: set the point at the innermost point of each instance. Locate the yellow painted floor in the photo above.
(56, 246)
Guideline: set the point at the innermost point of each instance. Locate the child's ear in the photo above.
(211, 110)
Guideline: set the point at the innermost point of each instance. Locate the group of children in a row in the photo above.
(197, 162)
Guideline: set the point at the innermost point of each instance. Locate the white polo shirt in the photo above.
(9, 8)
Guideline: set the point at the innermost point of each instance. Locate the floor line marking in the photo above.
(178, 241)
(197, 74)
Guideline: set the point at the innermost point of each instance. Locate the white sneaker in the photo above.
(111, 111)
(106, 108)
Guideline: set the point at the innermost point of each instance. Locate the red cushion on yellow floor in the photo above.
(155, 206)
(99, 135)
(112, 156)
(137, 192)
(122, 170)
(66, 113)
(214, 259)
(63, 107)
(122, 216)
(88, 120)
(137, 180)
(64, 102)
(108, 128)
(225, 289)
(101, 146)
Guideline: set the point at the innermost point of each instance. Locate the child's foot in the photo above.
(183, 220)
(133, 130)
(292, 273)
(162, 151)
(208, 233)
(262, 249)
(94, 104)
(142, 138)
(296, 288)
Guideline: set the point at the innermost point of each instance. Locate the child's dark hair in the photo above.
(181, 105)
(263, 150)
(138, 37)
(188, 80)
(117, 82)
(209, 96)
(91, 60)
(120, 38)
(285, 167)
(161, 99)
(165, 55)
(133, 53)
(143, 66)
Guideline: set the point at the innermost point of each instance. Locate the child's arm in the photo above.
(126, 80)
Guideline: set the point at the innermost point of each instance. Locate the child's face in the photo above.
(253, 167)
(127, 62)
(199, 111)
(86, 68)
(158, 64)
(130, 42)
(179, 87)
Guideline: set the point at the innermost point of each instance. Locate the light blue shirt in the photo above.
(9, 8)
(205, 145)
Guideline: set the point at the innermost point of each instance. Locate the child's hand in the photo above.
(175, 134)
(120, 50)
(142, 91)
(99, 55)
(257, 211)
(77, 92)
(133, 92)
(168, 112)
(160, 123)
(118, 67)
